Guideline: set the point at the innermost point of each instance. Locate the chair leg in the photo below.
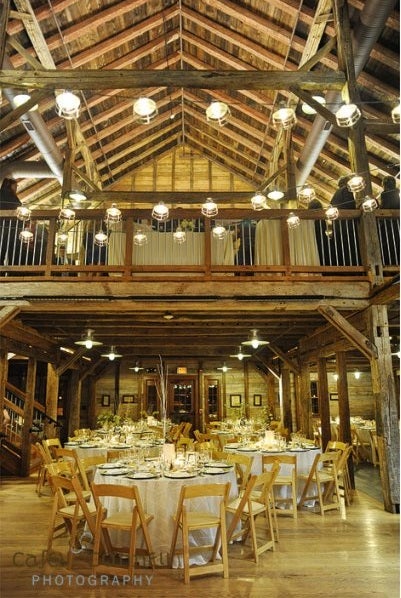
(224, 549)
(173, 544)
(252, 528)
(185, 550)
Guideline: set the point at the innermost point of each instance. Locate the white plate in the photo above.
(142, 475)
(89, 446)
(219, 464)
(214, 471)
(119, 446)
(247, 449)
(232, 445)
(110, 466)
(179, 474)
(114, 471)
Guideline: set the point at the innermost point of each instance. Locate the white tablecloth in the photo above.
(162, 250)
(160, 498)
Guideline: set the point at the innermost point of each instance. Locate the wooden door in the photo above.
(212, 399)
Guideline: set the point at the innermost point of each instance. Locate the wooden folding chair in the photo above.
(128, 520)
(243, 465)
(49, 444)
(73, 515)
(254, 501)
(323, 474)
(286, 480)
(42, 473)
(86, 466)
(188, 520)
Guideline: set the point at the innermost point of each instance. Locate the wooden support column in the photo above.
(246, 389)
(383, 386)
(3, 370)
(52, 388)
(271, 395)
(343, 401)
(324, 403)
(92, 402)
(28, 416)
(286, 406)
(305, 411)
(116, 385)
(74, 399)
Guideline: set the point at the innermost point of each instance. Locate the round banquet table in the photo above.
(160, 498)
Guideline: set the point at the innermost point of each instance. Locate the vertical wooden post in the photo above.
(324, 404)
(92, 402)
(52, 388)
(116, 386)
(383, 386)
(286, 388)
(74, 398)
(246, 389)
(305, 420)
(343, 407)
(28, 416)
(3, 371)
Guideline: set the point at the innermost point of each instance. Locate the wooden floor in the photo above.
(348, 555)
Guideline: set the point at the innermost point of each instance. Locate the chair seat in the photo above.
(123, 520)
(256, 507)
(72, 512)
(72, 497)
(198, 519)
(283, 479)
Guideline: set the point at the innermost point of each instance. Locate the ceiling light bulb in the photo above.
(23, 213)
(88, 340)
(306, 193)
(240, 354)
(331, 213)
(258, 201)
(275, 194)
(369, 204)
(140, 238)
(356, 183)
(209, 208)
(218, 113)
(348, 115)
(67, 105)
(22, 98)
(77, 195)
(145, 110)
(254, 341)
(284, 117)
(101, 239)
(306, 109)
(160, 212)
(88, 343)
(357, 375)
(113, 214)
(67, 214)
(26, 235)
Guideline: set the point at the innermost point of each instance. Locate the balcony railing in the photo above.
(258, 246)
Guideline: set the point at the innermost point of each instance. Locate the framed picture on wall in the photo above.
(235, 400)
(127, 399)
(257, 400)
(333, 396)
(105, 400)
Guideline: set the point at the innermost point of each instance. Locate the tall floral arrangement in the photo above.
(162, 389)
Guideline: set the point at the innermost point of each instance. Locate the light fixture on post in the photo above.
(218, 113)
(101, 238)
(306, 109)
(224, 368)
(258, 201)
(369, 204)
(395, 114)
(209, 208)
(293, 221)
(306, 193)
(112, 354)
(22, 98)
(331, 213)
(67, 105)
(23, 213)
(140, 238)
(284, 117)
(348, 115)
(241, 355)
(356, 183)
(160, 212)
(88, 340)
(145, 110)
(179, 235)
(275, 194)
(219, 232)
(254, 341)
(113, 214)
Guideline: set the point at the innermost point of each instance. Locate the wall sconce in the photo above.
(331, 213)
(218, 113)
(306, 109)
(145, 110)
(219, 232)
(275, 194)
(306, 193)
(241, 355)
(179, 236)
(101, 239)
(140, 238)
(112, 355)
(113, 214)
(258, 201)
(88, 340)
(348, 115)
(67, 105)
(23, 213)
(209, 208)
(284, 117)
(356, 183)
(395, 114)
(254, 341)
(293, 221)
(20, 99)
(160, 212)
(369, 204)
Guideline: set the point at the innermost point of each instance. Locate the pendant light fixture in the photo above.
(23, 213)
(26, 235)
(275, 194)
(209, 208)
(140, 238)
(369, 204)
(331, 213)
(136, 368)
(258, 201)
(284, 117)
(68, 105)
(219, 232)
(88, 340)
(356, 183)
(218, 113)
(348, 115)
(254, 341)
(160, 212)
(179, 236)
(307, 193)
(113, 214)
(241, 355)
(145, 110)
(293, 221)
(67, 214)
(306, 109)
(101, 238)
(112, 354)
(224, 368)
